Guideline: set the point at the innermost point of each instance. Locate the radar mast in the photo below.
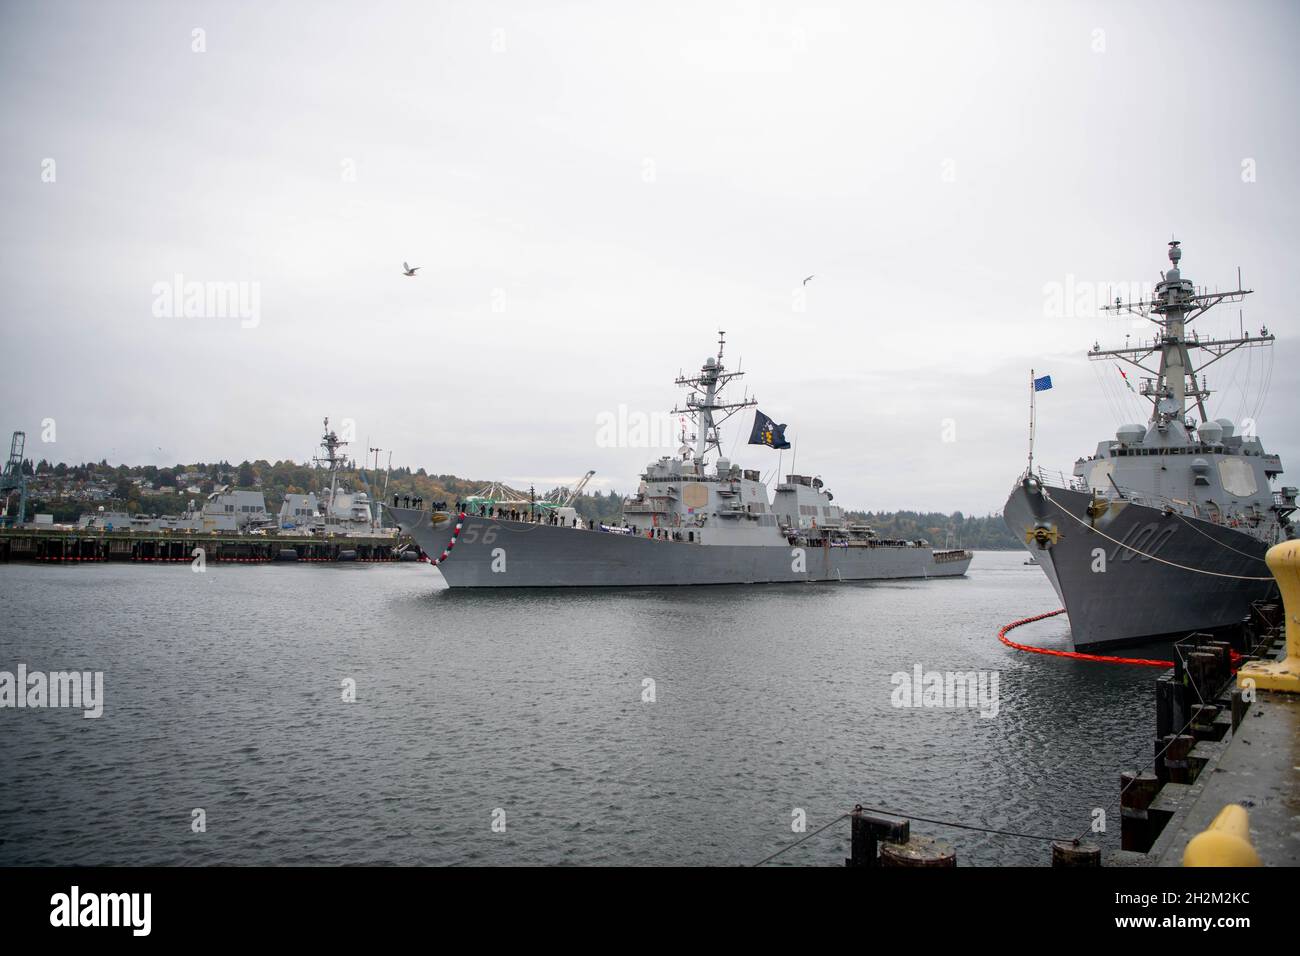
(331, 443)
(1173, 307)
(705, 404)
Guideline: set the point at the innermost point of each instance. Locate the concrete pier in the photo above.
(90, 545)
(1227, 740)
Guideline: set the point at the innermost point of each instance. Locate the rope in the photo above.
(809, 836)
(1076, 655)
(1172, 737)
(1183, 518)
(1037, 837)
(1152, 557)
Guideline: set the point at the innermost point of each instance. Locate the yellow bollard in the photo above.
(1284, 561)
(1225, 843)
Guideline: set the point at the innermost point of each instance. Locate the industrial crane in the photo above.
(564, 497)
(14, 479)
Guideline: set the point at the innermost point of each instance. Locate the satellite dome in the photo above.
(1228, 426)
(1211, 433)
(1131, 434)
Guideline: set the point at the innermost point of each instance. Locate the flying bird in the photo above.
(809, 279)
(409, 270)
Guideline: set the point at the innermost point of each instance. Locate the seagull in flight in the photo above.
(809, 279)
(409, 270)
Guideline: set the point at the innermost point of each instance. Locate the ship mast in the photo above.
(1173, 307)
(705, 404)
(331, 443)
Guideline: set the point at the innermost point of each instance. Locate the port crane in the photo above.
(564, 497)
(14, 479)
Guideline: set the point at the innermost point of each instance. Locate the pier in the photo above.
(1225, 750)
(92, 545)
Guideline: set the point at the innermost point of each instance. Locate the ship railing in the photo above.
(1054, 478)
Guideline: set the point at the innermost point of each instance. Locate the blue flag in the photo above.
(1042, 384)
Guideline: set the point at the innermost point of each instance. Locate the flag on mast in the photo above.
(1037, 384)
(767, 432)
(1125, 377)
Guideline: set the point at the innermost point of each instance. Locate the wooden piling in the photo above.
(1239, 708)
(918, 852)
(1176, 747)
(1137, 790)
(1071, 853)
(868, 830)
(1202, 724)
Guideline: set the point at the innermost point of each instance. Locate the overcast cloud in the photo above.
(594, 189)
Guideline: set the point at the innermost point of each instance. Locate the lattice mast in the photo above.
(705, 405)
(1173, 307)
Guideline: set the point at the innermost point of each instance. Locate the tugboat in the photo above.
(1163, 530)
(696, 519)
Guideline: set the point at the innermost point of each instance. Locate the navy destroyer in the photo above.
(696, 519)
(1163, 530)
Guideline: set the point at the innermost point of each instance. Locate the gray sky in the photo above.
(592, 192)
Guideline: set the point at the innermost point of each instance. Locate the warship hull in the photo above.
(1146, 591)
(498, 553)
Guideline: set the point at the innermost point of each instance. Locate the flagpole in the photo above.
(1031, 421)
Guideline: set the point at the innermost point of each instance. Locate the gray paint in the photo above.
(539, 555)
(1136, 597)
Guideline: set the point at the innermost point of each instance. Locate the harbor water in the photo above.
(658, 726)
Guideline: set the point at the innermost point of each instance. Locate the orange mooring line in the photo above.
(1106, 659)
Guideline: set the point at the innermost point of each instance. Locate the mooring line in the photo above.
(1183, 518)
(1036, 837)
(1127, 547)
(807, 836)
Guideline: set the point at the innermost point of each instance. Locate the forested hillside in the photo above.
(67, 491)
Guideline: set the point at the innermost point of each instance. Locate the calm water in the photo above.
(223, 691)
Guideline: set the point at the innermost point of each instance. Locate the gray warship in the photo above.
(690, 523)
(1163, 530)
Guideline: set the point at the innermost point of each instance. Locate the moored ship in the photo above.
(696, 519)
(1164, 529)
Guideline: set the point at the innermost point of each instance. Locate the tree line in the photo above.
(276, 479)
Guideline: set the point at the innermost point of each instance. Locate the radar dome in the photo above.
(1228, 426)
(1211, 433)
(1131, 434)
